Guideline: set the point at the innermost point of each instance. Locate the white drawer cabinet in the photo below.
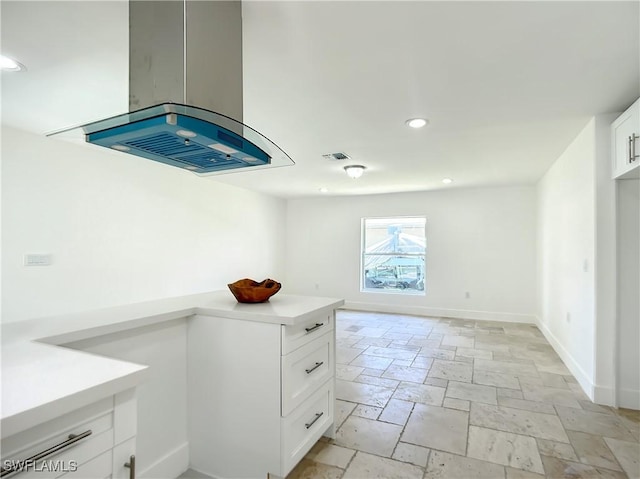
(625, 141)
(79, 444)
(260, 394)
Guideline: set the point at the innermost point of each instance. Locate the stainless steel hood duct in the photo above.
(185, 91)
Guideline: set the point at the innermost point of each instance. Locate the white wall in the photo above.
(478, 240)
(122, 229)
(629, 293)
(566, 233)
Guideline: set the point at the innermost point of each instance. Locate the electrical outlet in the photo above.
(467, 294)
(317, 286)
(568, 317)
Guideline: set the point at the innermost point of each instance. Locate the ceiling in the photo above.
(505, 85)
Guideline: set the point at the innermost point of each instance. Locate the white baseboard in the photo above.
(583, 379)
(629, 398)
(170, 465)
(441, 312)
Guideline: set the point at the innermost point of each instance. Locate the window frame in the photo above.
(363, 254)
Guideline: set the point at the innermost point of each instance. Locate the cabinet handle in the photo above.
(318, 416)
(22, 465)
(309, 371)
(132, 467)
(632, 147)
(313, 328)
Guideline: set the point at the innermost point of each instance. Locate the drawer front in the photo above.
(40, 438)
(304, 426)
(305, 370)
(296, 336)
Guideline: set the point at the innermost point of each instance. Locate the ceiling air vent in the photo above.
(336, 156)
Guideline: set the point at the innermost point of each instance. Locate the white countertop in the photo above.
(41, 380)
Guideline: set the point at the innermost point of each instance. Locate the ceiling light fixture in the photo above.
(416, 122)
(354, 171)
(446, 181)
(10, 65)
(324, 190)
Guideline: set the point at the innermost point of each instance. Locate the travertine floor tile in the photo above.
(346, 355)
(451, 370)
(627, 454)
(561, 397)
(396, 412)
(369, 412)
(520, 474)
(449, 466)
(458, 341)
(371, 362)
(404, 373)
(362, 393)
(527, 405)
(460, 404)
(308, 469)
(377, 381)
(544, 426)
(560, 469)
(393, 353)
(504, 367)
(556, 449)
(366, 435)
(419, 393)
(495, 395)
(592, 450)
(348, 373)
(416, 455)
(342, 410)
(474, 353)
(437, 428)
(331, 454)
(593, 423)
(472, 392)
(373, 467)
(514, 450)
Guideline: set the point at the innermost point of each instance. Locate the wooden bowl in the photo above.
(249, 291)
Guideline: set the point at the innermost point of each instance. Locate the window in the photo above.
(393, 251)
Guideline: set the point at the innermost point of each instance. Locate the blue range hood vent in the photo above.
(195, 139)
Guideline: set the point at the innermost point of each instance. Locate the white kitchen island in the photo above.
(200, 360)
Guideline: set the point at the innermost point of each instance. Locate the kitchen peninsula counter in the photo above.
(42, 380)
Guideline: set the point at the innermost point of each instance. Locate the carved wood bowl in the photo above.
(249, 291)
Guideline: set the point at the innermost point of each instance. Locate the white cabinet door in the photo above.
(625, 138)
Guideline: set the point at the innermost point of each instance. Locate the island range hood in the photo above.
(185, 92)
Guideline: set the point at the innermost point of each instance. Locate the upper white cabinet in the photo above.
(625, 140)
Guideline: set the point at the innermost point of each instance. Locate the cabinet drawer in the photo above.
(305, 370)
(304, 426)
(296, 336)
(97, 417)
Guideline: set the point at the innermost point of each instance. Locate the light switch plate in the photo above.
(37, 259)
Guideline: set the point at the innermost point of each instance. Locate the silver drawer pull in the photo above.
(313, 328)
(633, 138)
(132, 467)
(318, 416)
(22, 465)
(309, 371)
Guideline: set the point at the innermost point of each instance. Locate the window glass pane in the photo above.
(393, 254)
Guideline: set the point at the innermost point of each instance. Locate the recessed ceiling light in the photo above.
(447, 180)
(324, 190)
(121, 147)
(416, 122)
(186, 133)
(354, 171)
(10, 65)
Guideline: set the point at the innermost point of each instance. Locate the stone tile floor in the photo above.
(446, 398)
